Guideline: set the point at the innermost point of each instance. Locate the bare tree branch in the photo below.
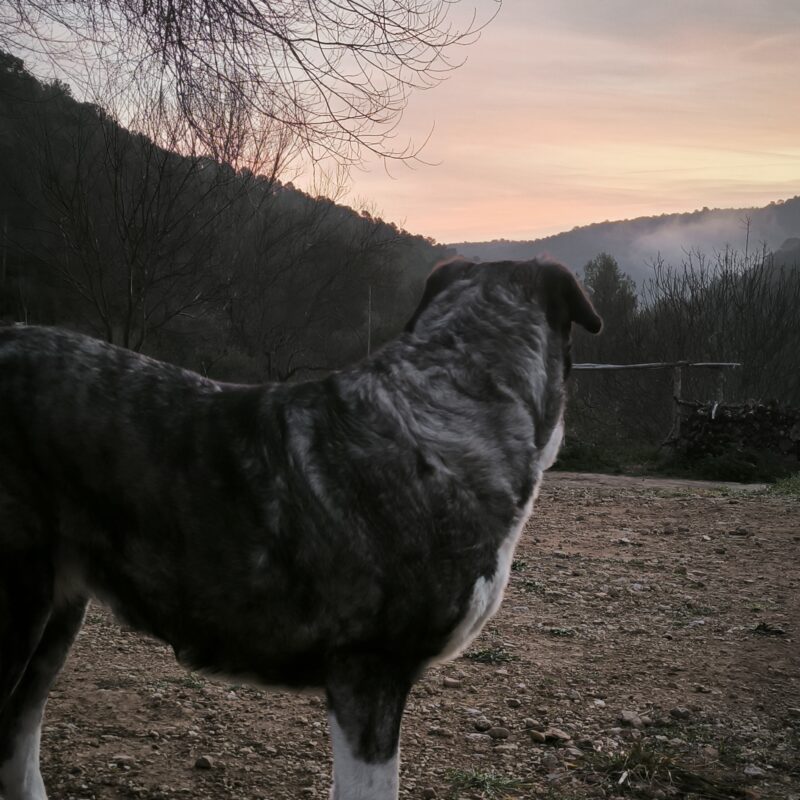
(334, 74)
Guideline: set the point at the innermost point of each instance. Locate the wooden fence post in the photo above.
(677, 380)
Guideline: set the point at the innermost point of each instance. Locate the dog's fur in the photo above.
(341, 533)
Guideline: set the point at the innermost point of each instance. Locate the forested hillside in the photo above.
(229, 272)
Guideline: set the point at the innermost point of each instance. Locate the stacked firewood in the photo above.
(714, 428)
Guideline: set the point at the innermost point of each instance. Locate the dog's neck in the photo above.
(490, 344)
(463, 355)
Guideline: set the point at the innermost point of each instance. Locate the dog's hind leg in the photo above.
(26, 596)
(366, 698)
(29, 666)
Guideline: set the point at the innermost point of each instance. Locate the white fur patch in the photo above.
(488, 594)
(354, 779)
(549, 452)
(19, 776)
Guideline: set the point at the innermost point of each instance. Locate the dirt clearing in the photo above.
(648, 646)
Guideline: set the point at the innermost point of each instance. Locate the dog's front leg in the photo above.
(366, 697)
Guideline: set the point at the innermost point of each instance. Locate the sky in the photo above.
(569, 112)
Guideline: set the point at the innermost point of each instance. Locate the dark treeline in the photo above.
(229, 272)
(728, 307)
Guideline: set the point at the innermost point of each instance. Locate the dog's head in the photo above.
(544, 285)
(516, 318)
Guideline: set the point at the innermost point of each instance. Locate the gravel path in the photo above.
(647, 647)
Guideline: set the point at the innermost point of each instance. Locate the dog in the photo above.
(339, 534)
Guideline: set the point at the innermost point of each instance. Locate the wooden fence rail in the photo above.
(677, 368)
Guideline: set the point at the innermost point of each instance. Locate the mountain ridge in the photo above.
(636, 243)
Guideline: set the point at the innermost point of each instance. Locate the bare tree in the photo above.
(137, 232)
(294, 305)
(335, 74)
(732, 306)
(728, 306)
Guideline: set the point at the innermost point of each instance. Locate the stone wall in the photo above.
(760, 431)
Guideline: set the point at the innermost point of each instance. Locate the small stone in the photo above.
(598, 703)
(585, 743)
(768, 629)
(428, 793)
(556, 734)
(679, 712)
(631, 718)
(451, 683)
(537, 736)
(204, 762)
(499, 733)
(442, 733)
(550, 762)
(533, 724)
(123, 760)
(752, 771)
(513, 702)
(482, 724)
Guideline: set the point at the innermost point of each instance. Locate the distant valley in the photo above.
(637, 243)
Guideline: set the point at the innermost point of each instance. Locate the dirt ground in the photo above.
(648, 646)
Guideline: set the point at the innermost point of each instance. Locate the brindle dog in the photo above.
(341, 533)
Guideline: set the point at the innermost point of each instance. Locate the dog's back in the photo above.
(256, 529)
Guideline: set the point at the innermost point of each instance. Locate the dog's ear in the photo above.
(561, 295)
(442, 276)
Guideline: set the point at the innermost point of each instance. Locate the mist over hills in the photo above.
(637, 243)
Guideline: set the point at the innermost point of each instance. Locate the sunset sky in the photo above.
(575, 111)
